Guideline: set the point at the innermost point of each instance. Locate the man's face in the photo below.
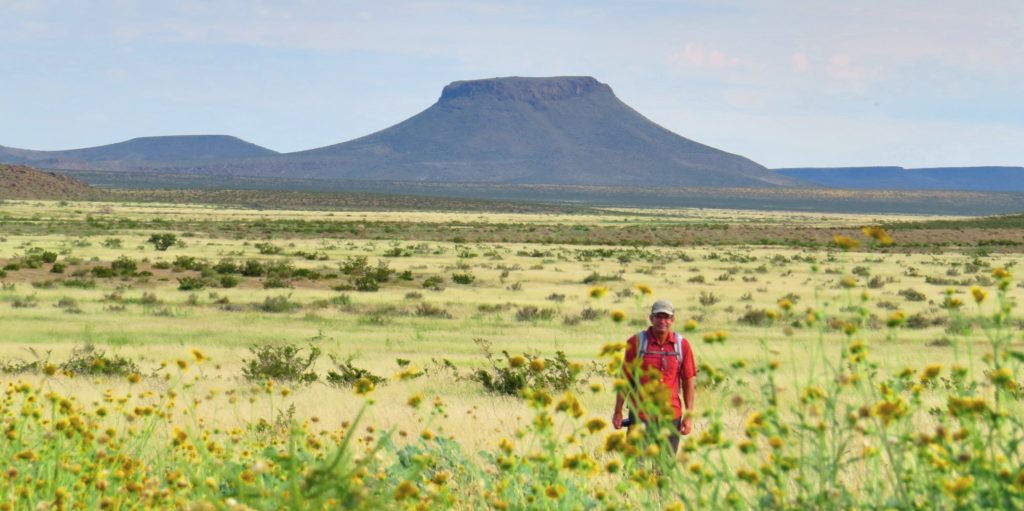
(662, 322)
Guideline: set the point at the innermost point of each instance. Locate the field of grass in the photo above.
(315, 359)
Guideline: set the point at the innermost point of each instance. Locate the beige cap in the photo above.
(663, 306)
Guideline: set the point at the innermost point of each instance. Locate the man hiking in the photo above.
(659, 366)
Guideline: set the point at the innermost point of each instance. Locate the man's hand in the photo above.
(685, 426)
(617, 419)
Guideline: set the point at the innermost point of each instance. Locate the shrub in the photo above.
(431, 311)
(366, 283)
(88, 360)
(755, 317)
(267, 248)
(463, 278)
(124, 265)
(252, 268)
(708, 299)
(25, 302)
(227, 266)
(58, 268)
(276, 282)
(354, 265)
(514, 374)
(162, 242)
(912, 295)
(191, 283)
(532, 313)
(595, 277)
(347, 375)
(227, 281)
(279, 303)
(433, 282)
(188, 263)
(282, 363)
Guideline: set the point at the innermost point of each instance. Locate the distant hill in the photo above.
(968, 179)
(21, 182)
(141, 153)
(561, 130)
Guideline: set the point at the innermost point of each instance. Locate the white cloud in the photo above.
(699, 56)
(799, 62)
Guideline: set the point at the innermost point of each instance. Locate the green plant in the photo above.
(281, 303)
(424, 309)
(346, 374)
(267, 248)
(191, 283)
(533, 313)
(463, 278)
(163, 241)
(87, 360)
(281, 362)
(512, 375)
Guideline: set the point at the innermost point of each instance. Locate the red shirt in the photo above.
(659, 357)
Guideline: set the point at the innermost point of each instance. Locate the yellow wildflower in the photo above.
(845, 242)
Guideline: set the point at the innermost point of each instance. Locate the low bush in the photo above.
(191, 283)
(347, 375)
(425, 309)
(511, 375)
(90, 361)
(755, 317)
(532, 313)
(281, 303)
(463, 278)
(282, 363)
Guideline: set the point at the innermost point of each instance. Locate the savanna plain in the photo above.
(159, 355)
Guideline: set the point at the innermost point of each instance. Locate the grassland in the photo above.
(773, 306)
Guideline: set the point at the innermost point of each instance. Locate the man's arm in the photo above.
(617, 416)
(688, 394)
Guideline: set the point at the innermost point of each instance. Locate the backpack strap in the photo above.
(679, 348)
(641, 348)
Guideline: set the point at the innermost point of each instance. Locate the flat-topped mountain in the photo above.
(22, 182)
(563, 130)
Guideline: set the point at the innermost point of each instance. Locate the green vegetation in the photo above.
(834, 373)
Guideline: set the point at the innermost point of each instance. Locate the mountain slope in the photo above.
(21, 182)
(563, 130)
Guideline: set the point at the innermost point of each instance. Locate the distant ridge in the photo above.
(142, 152)
(968, 179)
(22, 182)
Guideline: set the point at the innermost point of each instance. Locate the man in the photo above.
(658, 372)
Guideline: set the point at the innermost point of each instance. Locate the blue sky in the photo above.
(785, 82)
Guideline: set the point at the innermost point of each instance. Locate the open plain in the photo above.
(225, 355)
